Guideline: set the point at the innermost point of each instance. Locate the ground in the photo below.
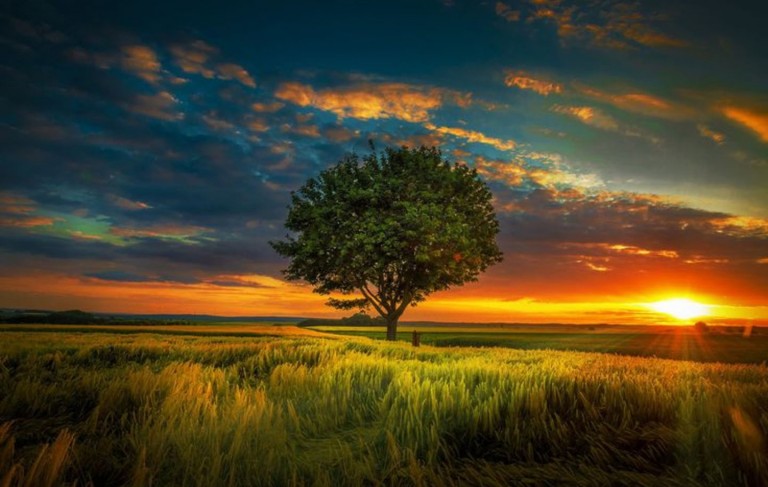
(223, 405)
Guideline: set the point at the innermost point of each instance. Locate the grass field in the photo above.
(661, 342)
(156, 409)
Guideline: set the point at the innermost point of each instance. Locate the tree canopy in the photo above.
(392, 228)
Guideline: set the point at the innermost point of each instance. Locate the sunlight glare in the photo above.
(681, 308)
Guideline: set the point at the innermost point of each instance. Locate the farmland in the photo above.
(154, 408)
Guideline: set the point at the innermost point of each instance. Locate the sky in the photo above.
(148, 149)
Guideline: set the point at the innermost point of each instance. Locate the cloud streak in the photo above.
(366, 101)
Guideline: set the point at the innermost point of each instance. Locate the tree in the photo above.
(701, 327)
(392, 228)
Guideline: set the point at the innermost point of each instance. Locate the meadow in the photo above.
(727, 345)
(153, 408)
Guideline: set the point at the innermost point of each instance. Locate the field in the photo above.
(681, 343)
(149, 407)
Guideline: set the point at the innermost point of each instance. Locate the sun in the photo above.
(681, 308)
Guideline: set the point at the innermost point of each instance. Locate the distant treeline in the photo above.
(78, 317)
(359, 319)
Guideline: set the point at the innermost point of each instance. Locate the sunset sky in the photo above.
(148, 149)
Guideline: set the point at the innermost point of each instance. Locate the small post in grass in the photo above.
(416, 338)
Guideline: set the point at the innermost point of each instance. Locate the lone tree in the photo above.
(390, 228)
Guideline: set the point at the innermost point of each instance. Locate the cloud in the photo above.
(161, 106)
(170, 231)
(505, 12)
(757, 122)
(525, 81)
(126, 204)
(267, 107)
(235, 71)
(526, 169)
(710, 134)
(141, 61)
(192, 58)
(196, 58)
(302, 129)
(258, 125)
(589, 115)
(27, 221)
(646, 241)
(610, 25)
(339, 133)
(16, 204)
(217, 124)
(368, 100)
(473, 136)
(639, 102)
(18, 211)
(118, 276)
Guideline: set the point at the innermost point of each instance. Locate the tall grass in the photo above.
(197, 411)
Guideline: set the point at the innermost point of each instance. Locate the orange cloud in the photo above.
(27, 221)
(742, 225)
(757, 122)
(192, 58)
(141, 61)
(16, 211)
(620, 25)
(515, 172)
(473, 136)
(258, 125)
(367, 101)
(160, 106)
(195, 58)
(638, 102)
(512, 173)
(589, 115)
(596, 267)
(524, 81)
(235, 71)
(633, 250)
(643, 34)
(267, 107)
(15, 204)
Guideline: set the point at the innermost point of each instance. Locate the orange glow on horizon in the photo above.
(259, 295)
(681, 308)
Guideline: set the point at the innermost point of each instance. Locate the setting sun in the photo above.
(681, 308)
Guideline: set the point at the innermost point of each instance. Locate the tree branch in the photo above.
(376, 304)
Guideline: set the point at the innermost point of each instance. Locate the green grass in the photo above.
(186, 410)
(680, 344)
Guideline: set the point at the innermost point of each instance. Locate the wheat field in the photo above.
(161, 410)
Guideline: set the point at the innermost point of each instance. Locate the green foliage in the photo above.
(393, 227)
(214, 411)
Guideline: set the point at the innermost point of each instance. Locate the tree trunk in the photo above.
(391, 329)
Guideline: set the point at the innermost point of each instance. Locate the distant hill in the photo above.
(72, 317)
